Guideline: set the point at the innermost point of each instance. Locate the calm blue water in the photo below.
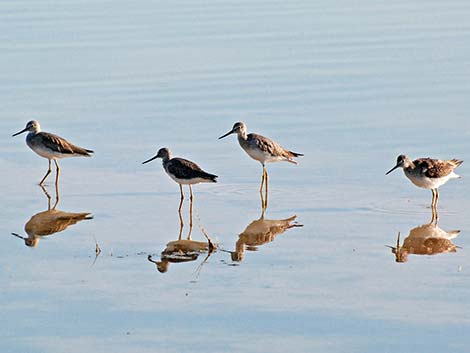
(350, 85)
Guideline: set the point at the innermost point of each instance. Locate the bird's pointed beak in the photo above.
(228, 133)
(391, 170)
(20, 132)
(18, 236)
(149, 160)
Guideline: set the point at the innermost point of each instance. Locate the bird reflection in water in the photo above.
(259, 232)
(427, 239)
(50, 221)
(184, 250)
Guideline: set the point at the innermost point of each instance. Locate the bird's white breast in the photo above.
(45, 152)
(427, 183)
(262, 156)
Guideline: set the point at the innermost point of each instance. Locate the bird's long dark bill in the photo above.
(18, 236)
(228, 133)
(391, 170)
(19, 132)
(149, 160)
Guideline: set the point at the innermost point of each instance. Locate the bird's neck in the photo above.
(35, 131)
(409, 165)
(242, 136)
(31, 134)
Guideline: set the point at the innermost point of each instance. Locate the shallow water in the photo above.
(349, 85)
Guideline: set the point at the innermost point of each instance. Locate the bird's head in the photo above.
(31, 126)
(163, 153)
(402, 161)
(238, 128)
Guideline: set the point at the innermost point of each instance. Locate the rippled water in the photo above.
(350, 85)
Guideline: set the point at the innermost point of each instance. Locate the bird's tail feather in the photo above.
(211, 177)
(295, 154)
(456, 162)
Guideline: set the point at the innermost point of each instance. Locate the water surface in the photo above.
(350, 85)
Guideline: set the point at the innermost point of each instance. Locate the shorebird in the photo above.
(428, 173)
(51, 146)
(182, 171)
(263, 150)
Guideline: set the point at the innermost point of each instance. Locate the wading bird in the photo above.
(182, 171)
(263, 150)
(428, 173)
(51, 146)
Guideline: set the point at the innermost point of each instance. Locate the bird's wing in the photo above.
(434, 168)
(182, 168)
(267, 145)
(56, 143)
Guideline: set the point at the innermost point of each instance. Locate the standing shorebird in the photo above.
(182, 171)
(428, 173)
(51, 146)
(262, 149)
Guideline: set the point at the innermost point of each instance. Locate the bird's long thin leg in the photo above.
(47, 174)
(262, 183)
(436, 216)
(266, 182)
(261, 188)
(181, 198)
(179, 211)
(435, 197)
(57, 171)
(433, 219)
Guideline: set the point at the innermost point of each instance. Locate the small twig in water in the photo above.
(97, 251)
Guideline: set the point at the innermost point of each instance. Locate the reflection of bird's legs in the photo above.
(190, 212)
(181, 222)
(47, 173)
(48, 197)
(261, 187)
(263, 211)
(57, 171)
(181, 226)
(57, 195)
